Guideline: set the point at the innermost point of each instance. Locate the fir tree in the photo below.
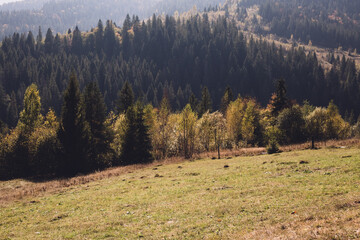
(136, 146)
(74, 133)
(205, 103)
(125, 98)
(279, 100)
(49, 41)
(101, 136)
(226, 100)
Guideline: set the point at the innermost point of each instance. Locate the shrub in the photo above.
(272, 147)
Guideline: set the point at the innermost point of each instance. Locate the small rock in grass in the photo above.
(213, 158)
(158, 176)
(179, 167)
(155, 168)
(226, 166)
(304, 162)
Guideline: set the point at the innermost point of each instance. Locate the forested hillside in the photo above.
(331, 24)
(61, 15)
(179, 57)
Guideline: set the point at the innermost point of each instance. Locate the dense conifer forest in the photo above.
(330, 24)
(28, 15)
(164, 87)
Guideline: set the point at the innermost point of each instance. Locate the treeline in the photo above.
(26, 16)
(178, 57)
(329, 24)
(85, 139)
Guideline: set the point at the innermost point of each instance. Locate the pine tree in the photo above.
(125, 98)
(101, 136)
(193, 102)
(99, 36)
(74, 133)
(136, 146)
(226, 100)
(77, 43)
(49, 41)
(205, 103)
(279, 100)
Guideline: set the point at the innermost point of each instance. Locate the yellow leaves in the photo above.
(242, 118)
(50, 120)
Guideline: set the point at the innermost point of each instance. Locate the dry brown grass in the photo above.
(19, 189)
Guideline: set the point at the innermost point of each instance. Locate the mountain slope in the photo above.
(297, 195)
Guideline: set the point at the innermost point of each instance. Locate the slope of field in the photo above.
(299, 194)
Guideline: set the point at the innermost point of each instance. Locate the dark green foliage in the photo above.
(205, 102)
(19, 158)
(74, 131)
(101, 134)
(226, 99)
(273, 147)
(292, 123)
(77, 42)
(180, 57)
(280, 101)
(49, 41)
(136, 146)
(193, 102)
(330, 23)
(125, 98)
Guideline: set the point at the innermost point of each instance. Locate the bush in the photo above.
(272, 147)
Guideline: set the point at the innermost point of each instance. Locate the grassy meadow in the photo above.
(308, 194)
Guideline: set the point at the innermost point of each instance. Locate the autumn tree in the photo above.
(187, 128)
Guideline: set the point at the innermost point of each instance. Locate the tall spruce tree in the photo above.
(74, 131)
(205, 103)
(279, 101)
(226, 100)
(125, 98)
(136, 146)
(101, 135)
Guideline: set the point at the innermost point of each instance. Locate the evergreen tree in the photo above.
(136, 146)
(101, 136)
(39, 39)
(125, 98)
(279, 101)
(193, 102)
(77, 42)
(205, 103)
(49, 41)
(226, 100)
(74, 132)
(99, 36)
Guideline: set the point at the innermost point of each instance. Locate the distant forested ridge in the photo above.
(168, 56)
(331, 23)
(61, 15)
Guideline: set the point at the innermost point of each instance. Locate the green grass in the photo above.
(260, 197)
